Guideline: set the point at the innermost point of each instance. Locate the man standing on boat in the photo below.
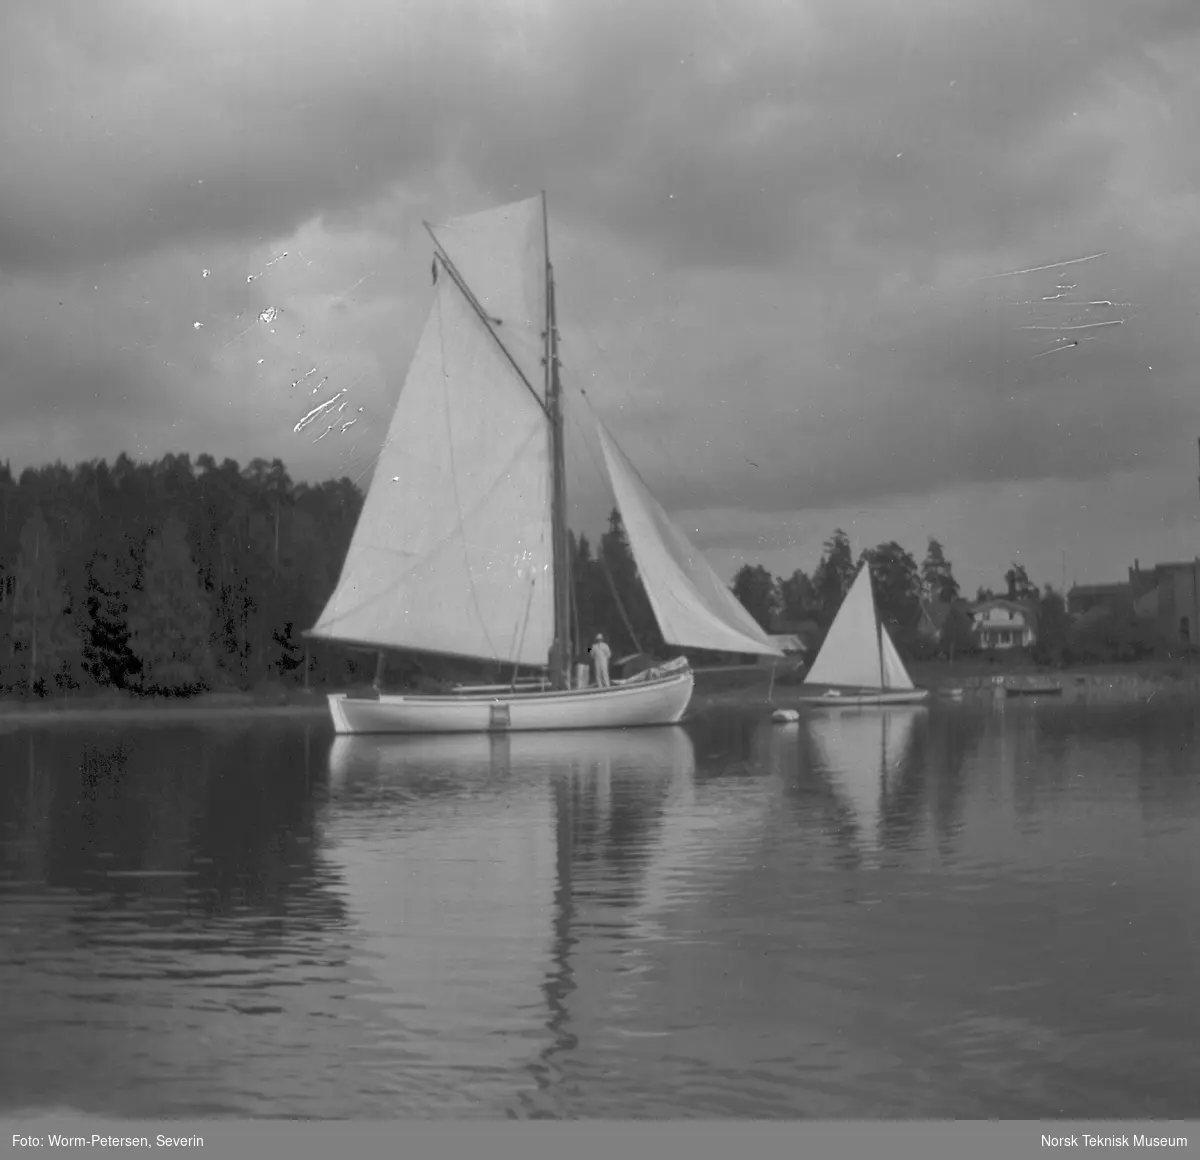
(600, 654)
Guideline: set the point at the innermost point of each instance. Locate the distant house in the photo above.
(1115, 598)
(1168, 595)
(1003, 624)
(795, 637)
(788, 643)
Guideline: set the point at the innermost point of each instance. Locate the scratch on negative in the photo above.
(1037, 269)
(1055, 349)
(1082, 326)
(318, 410)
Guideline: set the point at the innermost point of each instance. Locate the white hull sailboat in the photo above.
(659, 700)
(858, 664)
(462, 548)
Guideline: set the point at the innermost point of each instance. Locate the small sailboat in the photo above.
(858, 663)
(462, 548)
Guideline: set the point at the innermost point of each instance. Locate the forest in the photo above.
(174, 576)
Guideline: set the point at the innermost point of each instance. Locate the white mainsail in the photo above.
(452, 552)
(694, 609)
(501, 256)
(858, 651)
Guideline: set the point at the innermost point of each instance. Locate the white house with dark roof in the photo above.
(1003, 624)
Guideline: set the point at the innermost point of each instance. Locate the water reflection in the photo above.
(538, 839)
(925, 912)
(863, 753)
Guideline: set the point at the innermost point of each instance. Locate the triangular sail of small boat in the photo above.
(850, 655)
(453, 553)
(694, 609)
(895, 675)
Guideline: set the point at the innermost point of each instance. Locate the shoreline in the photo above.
(972, 682)
(737, 687)
(119, 707)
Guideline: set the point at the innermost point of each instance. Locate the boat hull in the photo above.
(661, 701)
(870, 697)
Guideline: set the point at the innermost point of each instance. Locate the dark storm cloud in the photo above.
(720, 135)
(774, 218)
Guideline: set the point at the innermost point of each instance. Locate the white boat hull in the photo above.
(659, 701)
(870, 697)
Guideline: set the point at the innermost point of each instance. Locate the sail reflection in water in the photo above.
(466, 858)
(862, 754)
(255, 920)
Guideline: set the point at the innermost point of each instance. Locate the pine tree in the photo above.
(111, 579)
(758, 592)
(797, 595)
(937, 575)
(618, 572)
(834, 575)
(897, 585)
(40, 605)
(169, 618)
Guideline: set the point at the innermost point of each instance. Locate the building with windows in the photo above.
(1004, 624)
(1169, 596)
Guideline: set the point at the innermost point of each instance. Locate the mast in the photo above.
(560, 652)
(878, 627)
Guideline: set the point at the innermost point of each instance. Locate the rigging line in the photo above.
(487, 320)
(454, 483)
(577, 639)
(612, 584)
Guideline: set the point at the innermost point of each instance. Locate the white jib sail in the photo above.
(452, 552)
(694, 609)
(850, 655)
(895, 675)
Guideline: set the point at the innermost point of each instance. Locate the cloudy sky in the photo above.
(787, 239)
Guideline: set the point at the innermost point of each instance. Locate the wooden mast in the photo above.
(878, 625)
(560, 651)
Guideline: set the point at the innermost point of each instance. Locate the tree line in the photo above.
(176, 576)
(902, 588)
(900, 583)
(164, 577)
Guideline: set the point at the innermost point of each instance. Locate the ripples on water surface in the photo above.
(915, 913)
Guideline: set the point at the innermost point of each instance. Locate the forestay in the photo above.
(694, 609)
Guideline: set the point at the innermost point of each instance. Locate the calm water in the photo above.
(934, 913)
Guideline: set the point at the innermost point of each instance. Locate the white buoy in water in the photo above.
(785, 716)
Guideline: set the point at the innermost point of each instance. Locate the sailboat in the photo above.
(858, 663)
(462, 548)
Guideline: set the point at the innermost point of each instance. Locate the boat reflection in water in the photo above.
(862, 753)
(479, 864)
